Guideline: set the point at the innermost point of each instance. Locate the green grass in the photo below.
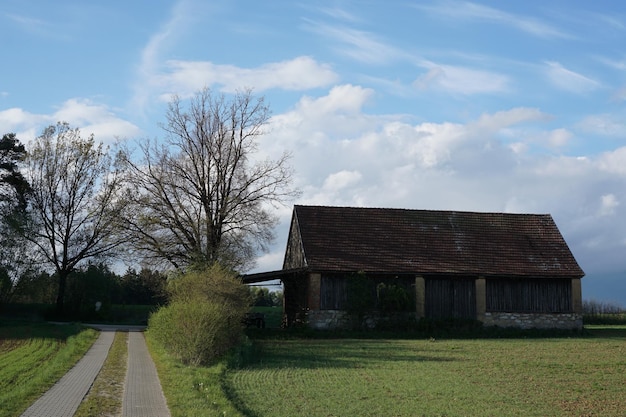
(565, 376)
(106, 393)
(273, 316)
(191, 391)
(33, 357)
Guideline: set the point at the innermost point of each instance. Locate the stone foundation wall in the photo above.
(339, 319)
(535, 320)
(327, 319)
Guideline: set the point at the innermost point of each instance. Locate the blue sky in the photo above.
(455, 105)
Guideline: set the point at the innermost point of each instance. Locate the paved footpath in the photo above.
(143, 395)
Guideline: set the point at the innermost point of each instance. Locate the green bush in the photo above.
(392, 298)
(204, 318)
(195, 332)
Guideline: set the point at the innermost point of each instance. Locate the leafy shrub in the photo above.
(392, 297)
(195, 332)
(204, 318)
(215, 283)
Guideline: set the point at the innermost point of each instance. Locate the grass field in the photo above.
(33, 357)
(285, 374)
(578, 376)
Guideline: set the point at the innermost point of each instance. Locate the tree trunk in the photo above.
(61, 293)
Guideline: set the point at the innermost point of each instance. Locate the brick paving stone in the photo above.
(65, 396)
(143, 395)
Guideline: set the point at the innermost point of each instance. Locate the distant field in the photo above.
(579, 376)
(33, 357)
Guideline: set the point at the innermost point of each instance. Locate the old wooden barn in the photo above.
(510, 270)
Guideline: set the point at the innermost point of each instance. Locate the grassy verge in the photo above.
(33, 357)
(106, 394)
(191, 391)
(564, 376)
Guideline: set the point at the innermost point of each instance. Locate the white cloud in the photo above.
(88, 116)
(342, 179)
(614, 161)
(15, 118)
(608, 204)
(568, 80)
(301, 73)
(556, 138)
(95, 118)
(505, 118)
(603, 124)
(461, 80)
(334, 116)
(159, 77)
(343, 156)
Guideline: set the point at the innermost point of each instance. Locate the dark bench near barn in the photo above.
(254, 319)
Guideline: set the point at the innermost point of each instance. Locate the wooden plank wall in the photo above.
(450, 298)
(531, 295)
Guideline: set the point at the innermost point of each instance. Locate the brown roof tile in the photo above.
(433, 242)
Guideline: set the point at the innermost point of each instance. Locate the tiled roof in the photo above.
(433, 242)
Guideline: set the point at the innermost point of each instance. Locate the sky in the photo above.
(488, 106)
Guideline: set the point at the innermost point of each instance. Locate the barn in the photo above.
(502, 269)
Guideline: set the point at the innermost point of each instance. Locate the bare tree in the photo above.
(200, 197)
(74, 201)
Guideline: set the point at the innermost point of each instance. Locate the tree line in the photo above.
(201, 194)
(91, 290)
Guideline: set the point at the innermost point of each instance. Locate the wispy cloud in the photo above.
(150, 59)
(619, 94)
(473, 11)
(612, 21)
(615, 64)
(569, 80)
(461, 80)
(603, 124)
(159, 77)
(339, 14)
(36, 26)
(301, 73)
(359, 45)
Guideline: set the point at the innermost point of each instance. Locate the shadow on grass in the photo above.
(237, 402)
(312, 354)
(22, 330)
(428, 332)
(603, 331)
(330, 353)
